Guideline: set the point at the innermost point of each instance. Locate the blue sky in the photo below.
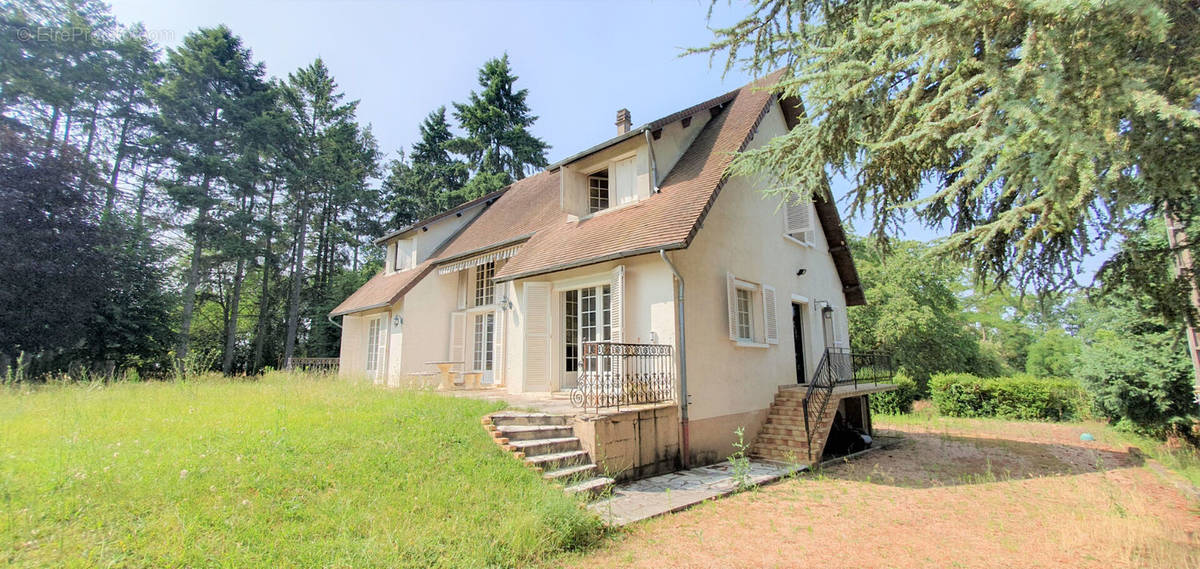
(580, 60)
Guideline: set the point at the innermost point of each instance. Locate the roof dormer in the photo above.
(610, 179)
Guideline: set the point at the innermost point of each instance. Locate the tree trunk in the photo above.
(110, 195)
(1178, 239)
(232, 322)
(189, 293)
(293, 321)
(260, 331)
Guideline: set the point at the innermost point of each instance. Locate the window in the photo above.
(376, 335)
(484, 292)
(744, 314)
(587, 317)
(598, 191)
(753, 321)
(485, 326)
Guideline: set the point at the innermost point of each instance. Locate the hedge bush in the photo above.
(1018, 397)
(899, 401)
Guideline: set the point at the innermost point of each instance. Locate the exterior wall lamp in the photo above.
(397, 321)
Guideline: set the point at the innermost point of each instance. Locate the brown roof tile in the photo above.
(382, 290)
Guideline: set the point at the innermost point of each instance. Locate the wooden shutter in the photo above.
(799, 219)
(617, 303)
(537, 336)
(463, 289)
(458, 341)
(498, 349)
(769, 315)
(731, 297)
(623, 186)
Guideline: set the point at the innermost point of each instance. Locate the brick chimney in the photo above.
(624, 121)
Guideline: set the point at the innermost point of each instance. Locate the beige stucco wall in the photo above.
(732, 386)
(648, 310)
(632, 444)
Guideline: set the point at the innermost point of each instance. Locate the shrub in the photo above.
(896, 402)
(1019, 397)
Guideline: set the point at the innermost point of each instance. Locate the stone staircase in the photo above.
(547, 443)
(783, 438)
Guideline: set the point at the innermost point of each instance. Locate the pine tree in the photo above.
(212, 91)
(1034, 130)
(498, 142)
(430, 179)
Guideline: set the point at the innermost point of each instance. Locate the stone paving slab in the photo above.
(667, 493)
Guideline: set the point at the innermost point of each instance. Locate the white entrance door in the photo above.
(484, 355)
(587, 317)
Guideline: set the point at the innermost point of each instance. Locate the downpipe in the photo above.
(685, 435)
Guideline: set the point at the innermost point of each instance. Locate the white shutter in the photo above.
(799, 219)
(617, 304)
(498, 349)
(769, 316)
(458, 342)
(537, 336)
(463, 285)
(625, 181)
(731, 296)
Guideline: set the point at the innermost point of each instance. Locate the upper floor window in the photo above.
(798, 221)
(484, 292)
(598, 191)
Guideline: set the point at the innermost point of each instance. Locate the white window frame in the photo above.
(607, 189)
(745, 314)
(758, 332)
(376, 354)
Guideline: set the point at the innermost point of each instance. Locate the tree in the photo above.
(430, 179)
(913, 313)
(211, 92)
(1055, 354)
(497, 121)
(329, 162)
(1035, 130)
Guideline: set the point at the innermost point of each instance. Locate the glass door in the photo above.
(483, 359)
(587, 317)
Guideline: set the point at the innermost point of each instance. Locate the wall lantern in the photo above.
(397, 321)
(801, 272)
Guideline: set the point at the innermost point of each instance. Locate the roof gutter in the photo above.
(685, 447)
(653, 162)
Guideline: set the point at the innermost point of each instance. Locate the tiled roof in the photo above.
(382, 290)
(666, 220)
(530, 210)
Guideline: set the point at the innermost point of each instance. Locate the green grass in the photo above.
(289, 471)
(1179, 457)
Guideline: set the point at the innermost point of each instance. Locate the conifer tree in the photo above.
(498, 142)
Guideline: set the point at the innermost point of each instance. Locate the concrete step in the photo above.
(538, 447)
(787, 440)
(793, 458)
(798, 447)
(784, 430)
(571, 472)
(592, 486)
(557, 460)
(511, 418)
(532, 432)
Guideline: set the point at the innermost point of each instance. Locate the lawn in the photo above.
(973, 493)
(287, 471)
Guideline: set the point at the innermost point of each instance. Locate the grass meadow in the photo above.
(282, 471)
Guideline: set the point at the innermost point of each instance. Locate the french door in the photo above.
(587, 317)
(484, 356)
(376, 349)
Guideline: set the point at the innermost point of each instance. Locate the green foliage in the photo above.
(497, 121)
(1018, 397)
(899, 401)
(1055, 354)
(739, 463)
(288, 471)
(1032, 128)
(913, 313)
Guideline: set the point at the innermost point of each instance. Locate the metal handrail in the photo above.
(613, 374)
(318, 365)
(840, 366)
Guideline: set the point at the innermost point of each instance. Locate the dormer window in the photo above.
(400, 263)
(598, 191)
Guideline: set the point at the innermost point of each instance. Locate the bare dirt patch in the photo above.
(1002, 495)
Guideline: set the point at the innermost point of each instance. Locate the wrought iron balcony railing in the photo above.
(614, 374)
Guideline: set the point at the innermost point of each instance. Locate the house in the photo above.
(634, 271)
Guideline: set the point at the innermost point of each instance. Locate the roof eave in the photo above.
(593, 261)
(456, 209)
